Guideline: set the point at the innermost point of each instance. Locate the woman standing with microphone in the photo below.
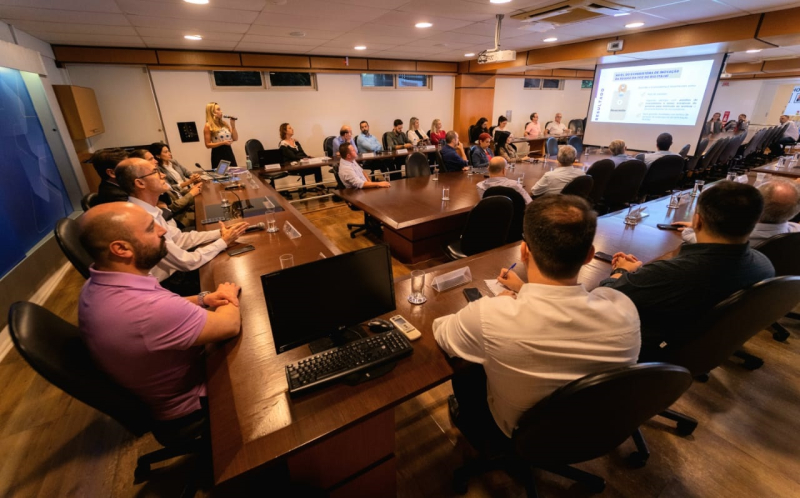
(219, 135)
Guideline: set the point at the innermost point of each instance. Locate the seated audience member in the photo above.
(557, 127)
(503, 148)
(397, 139)
(673, 295)
(104, 161)
(789, 136)
(415, 135)
(179, 202)
(367, 142)
(293, 151)
(144, 183)
(350, 173)
(553, 182)
(739, 126)
(663, 143)
(453, 154)
(714, 125)
(438, 135)
(618, 155)
(479, 128)
(345, 136)
(781, 204)
(533, 130)
(502, 125)
(177, 175)
(147, 339)
(552, 333)
(497, 178)
(481, 154)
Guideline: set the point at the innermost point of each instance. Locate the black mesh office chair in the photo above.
(486, 228)
(370, 224)
(327, 146)
(252, 147)
(584, 420)
(551, 146)
(600, 171)
(685, 150)
(88, 201)
(623, 185)
(577, 143)
(56, 351)
(662, 176)
(580, 186)
(782, 251)
(417, 165)
(515, 229)
(66, 232)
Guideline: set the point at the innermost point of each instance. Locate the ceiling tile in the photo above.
(169, 42)
(401, 32)
(456, 9)
(256, 5)
(80, 5)
(67, 16)
(271, 48)
(60, 27)
(178, 34)
(88, 39)
(768, 53)
(754, 7)
(376, 4)
(432, 43)
(699, 9)
(322, 8)
(346, 44)
(319, 34)
(341, 52)
(287, 40)
(408, 19)
(352, 39)
(456, 37)
(183, 10)
(488, 28)
(172, 23)
(299, 21)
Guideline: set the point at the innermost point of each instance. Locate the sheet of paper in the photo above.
(495, 287)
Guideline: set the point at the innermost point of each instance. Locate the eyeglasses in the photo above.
(155, 171)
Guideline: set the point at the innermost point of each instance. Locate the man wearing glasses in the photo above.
(178, 270)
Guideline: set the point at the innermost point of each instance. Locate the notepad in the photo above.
(495, 287)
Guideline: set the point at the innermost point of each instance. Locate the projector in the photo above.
(489, 56)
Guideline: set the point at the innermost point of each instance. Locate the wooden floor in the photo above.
(747, 443)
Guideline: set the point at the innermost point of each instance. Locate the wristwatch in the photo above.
(201, 299)
(621, 271)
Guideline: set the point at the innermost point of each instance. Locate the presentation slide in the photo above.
(636, 101)
(793, 109)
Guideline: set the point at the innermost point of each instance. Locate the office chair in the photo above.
(56, 351)
(662, 176)
(782, 252)
(327, 146)
(252, 147)
(486, 228)
(369, 224)
(639, 156)
(600, 171)
(685, 150)
(551, 146)
(583, 420)
(623, 184)
(580, 186)
(694, 161)
(66, 232)
(417, 165)
(515, 229)
(577, 143)
(88, 201)
(546, 125)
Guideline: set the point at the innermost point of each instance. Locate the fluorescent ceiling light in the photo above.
(471, 54)
(622, 14)
(193, 37)
(499, 1)
(423, 25)
(754, 51)
(551, 39)
(198, 2)
(634, 25)
(360, 47)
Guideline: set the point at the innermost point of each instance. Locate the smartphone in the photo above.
(663, 226)
(472, 294)
(240, 250)
(603, 256)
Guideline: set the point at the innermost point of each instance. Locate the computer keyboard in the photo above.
(362, 354)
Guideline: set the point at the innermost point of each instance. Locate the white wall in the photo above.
(738, 97)
(314, 115)
(509, 94)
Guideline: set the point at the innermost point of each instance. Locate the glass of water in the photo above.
(634, 215)
(446, 193)
(520, 178)
(674, 199)
(417, 287)
(435, 175)
(269, 216)
(698, 187)
(470, 171)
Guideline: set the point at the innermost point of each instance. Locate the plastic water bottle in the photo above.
(249, 164)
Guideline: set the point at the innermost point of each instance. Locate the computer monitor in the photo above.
(321, 299)
(222, 167)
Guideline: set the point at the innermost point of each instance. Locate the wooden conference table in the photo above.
(320, 162)
(772, 169)
(537, 144)
(341, 438)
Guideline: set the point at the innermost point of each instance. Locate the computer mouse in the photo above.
(377, 325)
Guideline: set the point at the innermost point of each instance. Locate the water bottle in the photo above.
(249, 164)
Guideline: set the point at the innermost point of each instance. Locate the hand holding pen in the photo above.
(510, 279)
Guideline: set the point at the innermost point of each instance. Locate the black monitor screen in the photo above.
(313, 300)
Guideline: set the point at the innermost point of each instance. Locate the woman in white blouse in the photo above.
(415, 135)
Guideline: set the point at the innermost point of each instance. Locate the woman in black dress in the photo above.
(293, 151)
(219, 135)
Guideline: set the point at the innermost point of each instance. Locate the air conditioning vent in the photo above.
(572, 12)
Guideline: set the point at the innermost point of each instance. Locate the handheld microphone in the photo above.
(230, 117)
(253, 228)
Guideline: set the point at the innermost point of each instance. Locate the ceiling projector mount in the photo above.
(495, 54)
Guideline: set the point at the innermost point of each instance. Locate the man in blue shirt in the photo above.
(365, 141)
(453, 153)
(345, 136)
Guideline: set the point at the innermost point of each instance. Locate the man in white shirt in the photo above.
(556, 127)
(542, 334)
(663, 143)
(144, 183)
(350, 173)
(553, 182)
(497, 178)
(789, 137)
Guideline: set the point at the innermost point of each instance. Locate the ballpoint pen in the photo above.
(509, 269)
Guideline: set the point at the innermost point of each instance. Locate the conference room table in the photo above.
(537, 144)
(773, 169)
(341, 438)
(319, 162)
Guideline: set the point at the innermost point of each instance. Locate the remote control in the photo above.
(409, 330)
(213, 220)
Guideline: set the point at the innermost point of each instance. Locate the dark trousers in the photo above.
(474, 419)
(183, 283)
(777, 147)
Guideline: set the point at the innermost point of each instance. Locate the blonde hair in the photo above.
(411, 124)
(433, 125)
(214, 124)
(617, 147)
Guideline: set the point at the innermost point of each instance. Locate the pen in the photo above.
(510, 268)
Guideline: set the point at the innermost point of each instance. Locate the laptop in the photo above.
(269, 156)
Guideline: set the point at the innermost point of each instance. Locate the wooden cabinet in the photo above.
(80, 109)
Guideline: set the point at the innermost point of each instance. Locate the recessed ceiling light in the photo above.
(199, 2)
(423, 25)
(297, 34)
(193, 37)
(754, 51)
(360, 47)
(551, 39)
(634, 25)
(469, 55)
(499, 1)
(622, 14)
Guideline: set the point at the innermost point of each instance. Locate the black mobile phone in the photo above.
(472, 294)
(667, 226)
(603, 256)
(240, 250)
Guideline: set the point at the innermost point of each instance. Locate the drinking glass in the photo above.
(446, 194)
(760, 177)
(470, 171)
(781, 163)
(520, 178)
(435, 175)
(674, 199)
(698, 187)
(417, 287)
(287, 261)
(634, 216)
(731, 176)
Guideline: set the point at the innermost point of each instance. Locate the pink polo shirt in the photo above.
(142, 335)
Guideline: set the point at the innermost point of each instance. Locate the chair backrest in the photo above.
(721, 145)
(685, 150)
(440, 161)
(385, 140)
(707, 160)
(580, 186)
(730, 149)
(600, 172)
(67, 236)
(551, 146)
(576, 142)
(639, 156)
(56, 351)
(428, 133)
(662, 175)
(487, 225)
(731, 323)
(471, 133)
(593, 415)
(754, 143)
(88, 201)
(701, 147)
(623, 186)
(327, 146)
(417, 165)
(339, 184)
(252, 147)
(515, 229)
(546, 125)
(782, 251)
